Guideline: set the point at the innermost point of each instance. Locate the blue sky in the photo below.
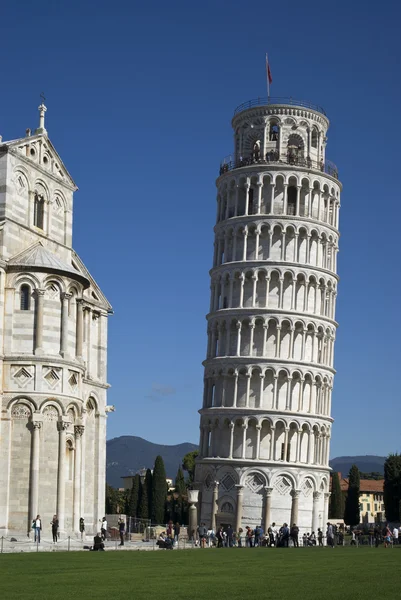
(140, 98)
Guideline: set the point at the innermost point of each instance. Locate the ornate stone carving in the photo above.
(21, 411)
(227, 483)
(79, 430)
(50, 413)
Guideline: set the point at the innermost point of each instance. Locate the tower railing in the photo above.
(278, 100)
(273, 157)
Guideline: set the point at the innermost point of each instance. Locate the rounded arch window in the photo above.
(273, 132)
(39, 211)
(25, 297)
(314, 138)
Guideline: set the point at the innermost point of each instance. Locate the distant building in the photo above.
(371, 503)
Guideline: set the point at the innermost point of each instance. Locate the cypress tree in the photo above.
(180, 487)
(336, 499)
(159, 491)
(134, 497)
(351, 513)
(392, 487)
(146, 497)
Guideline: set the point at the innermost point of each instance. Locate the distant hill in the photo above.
(366, 464)
(127, 454)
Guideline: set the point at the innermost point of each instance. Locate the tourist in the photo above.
(304, 540)
(257, 536)
(239, 537)
(82, 527)
(121, 530)
(220, 537)
(37, 526)
(330, 535)
(395, 535)
(230, 536)
(320, 537)
(275, 533)
(54, 526)
(103, 528)
(387, 536)
(271, 541)
(202, 532)
(97, 543)
(294, 535)
(249, 537)
(312, 539)
(377, 536)
(177, 529)
(284, 535)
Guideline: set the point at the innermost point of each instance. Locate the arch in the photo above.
(249, 472)
(25, 297)
(52, 402)
(23, 399)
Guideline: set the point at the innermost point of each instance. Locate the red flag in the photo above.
(268, 72)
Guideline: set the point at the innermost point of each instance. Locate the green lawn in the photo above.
(232, 574)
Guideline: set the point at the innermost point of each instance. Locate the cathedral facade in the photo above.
(53, 339)
(266, 416)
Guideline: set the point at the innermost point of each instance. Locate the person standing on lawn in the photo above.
(103, 529)
(177, 529)
(294, 535)
(54, 526)
(330, 535)
(37, 527)
(320, 537)
(121, 530)
(230, 534)
(82, 527)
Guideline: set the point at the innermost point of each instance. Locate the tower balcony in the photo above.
(278, 101)
(273, 157)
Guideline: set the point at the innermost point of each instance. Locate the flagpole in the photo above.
(267, 78)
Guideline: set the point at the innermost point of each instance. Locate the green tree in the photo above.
(159, 491)
(336, 510)
(180, 486)
(145, 506)
(351, 513)
(392, 487)
(134, 497)
(188, 464)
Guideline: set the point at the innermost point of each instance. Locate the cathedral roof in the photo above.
(38, 257)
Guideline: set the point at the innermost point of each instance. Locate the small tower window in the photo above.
(314, 138)
(25, 297)
(273, 133)
(251, 202)
(38, 218)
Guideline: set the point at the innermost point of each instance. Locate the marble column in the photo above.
(79, 328)
(65, 299)
(315, 511)
(214, 505)
(294, 506)
(35, 462)
(40, 295)
(78, 430)
(230, 453)
(240, 498)
(62, 429)
(268, 502)
(326, 509)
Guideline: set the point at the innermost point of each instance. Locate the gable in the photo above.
(93, 294)
(39, 150)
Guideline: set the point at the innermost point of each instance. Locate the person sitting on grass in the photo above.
(97, 543)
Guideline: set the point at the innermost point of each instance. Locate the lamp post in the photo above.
(193, 496)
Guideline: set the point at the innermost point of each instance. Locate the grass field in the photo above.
(232, 574)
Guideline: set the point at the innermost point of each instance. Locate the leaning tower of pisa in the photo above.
(266, 416)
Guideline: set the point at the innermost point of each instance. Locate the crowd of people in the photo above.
(285, 536)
